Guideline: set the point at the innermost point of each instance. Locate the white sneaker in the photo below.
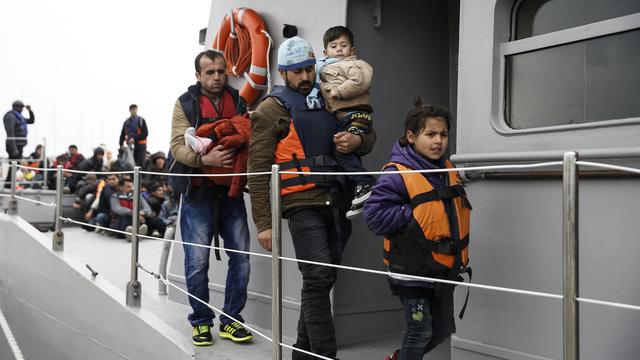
(143, 229)
(170, 232)
(155, 233)
(128, 229)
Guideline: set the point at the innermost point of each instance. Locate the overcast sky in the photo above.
(80, 64)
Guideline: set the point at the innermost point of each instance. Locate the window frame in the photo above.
(550, 40)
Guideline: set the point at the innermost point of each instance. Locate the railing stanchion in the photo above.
(13, 203)
(58, 236)
(134, 287)
(571, 318)
(276, 265)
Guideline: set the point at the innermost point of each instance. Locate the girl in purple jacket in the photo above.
(389, 211)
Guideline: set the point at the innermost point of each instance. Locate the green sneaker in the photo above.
(235, 332)
(202, 335)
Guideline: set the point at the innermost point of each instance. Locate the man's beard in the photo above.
(299, 89)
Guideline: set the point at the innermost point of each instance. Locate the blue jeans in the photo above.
(197, 227)
(319, 234)
(417, 314)
(102, 219)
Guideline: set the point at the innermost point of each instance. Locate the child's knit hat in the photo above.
(295, 53)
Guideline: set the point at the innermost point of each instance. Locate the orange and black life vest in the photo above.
(308, 145)
(433, 245)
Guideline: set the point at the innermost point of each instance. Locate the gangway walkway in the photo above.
(109, 257)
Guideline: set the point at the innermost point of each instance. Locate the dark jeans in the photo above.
(102, 219)
(319, 234)
(426, 325)
(197, 227)
(156, 223)
(139, 153)
(121, 223)
(7, 183)
(352, 162)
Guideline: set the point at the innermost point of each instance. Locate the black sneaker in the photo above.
(235, 332)
(355, 210)
(202, 335)
(361, 194)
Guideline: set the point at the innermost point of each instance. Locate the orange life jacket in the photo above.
(427, 247)
(308, 145)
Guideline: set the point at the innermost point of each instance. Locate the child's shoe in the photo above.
(361, 194)
(198, 144)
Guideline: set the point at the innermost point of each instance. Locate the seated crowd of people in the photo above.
(106, 200)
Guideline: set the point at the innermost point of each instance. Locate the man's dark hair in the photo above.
(211, 54)
(335, 32)
(133, 106)
(124, 180)
(418, 115)
(73, 147)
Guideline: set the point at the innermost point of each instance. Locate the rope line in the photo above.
(35, 168)
(608, 303)
(471, 168)
(207, 175)
(608, 166)
(205, 246)
(415, 277)
(98, 172)
(8, 334)
(66, 219)
(167, 282)
(35, 201)
(269, 84)
(371, 271)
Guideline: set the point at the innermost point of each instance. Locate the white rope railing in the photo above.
(98, 172)
(69, 220)
(425, 171)
(29, 200)
(35, 168)
(34, 201)
(608, 166)
(206, 175)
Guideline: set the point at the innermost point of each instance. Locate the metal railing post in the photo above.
(44, 164)
(134, 287)
(276, 265)
(13, 203)
(571, 319)
(58, 236)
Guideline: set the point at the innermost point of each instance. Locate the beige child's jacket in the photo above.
(351, 78)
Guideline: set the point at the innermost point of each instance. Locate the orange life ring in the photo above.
(242, 20)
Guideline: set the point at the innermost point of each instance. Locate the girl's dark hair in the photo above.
(417, 117)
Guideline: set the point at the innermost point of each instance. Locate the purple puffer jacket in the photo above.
(388, 210)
